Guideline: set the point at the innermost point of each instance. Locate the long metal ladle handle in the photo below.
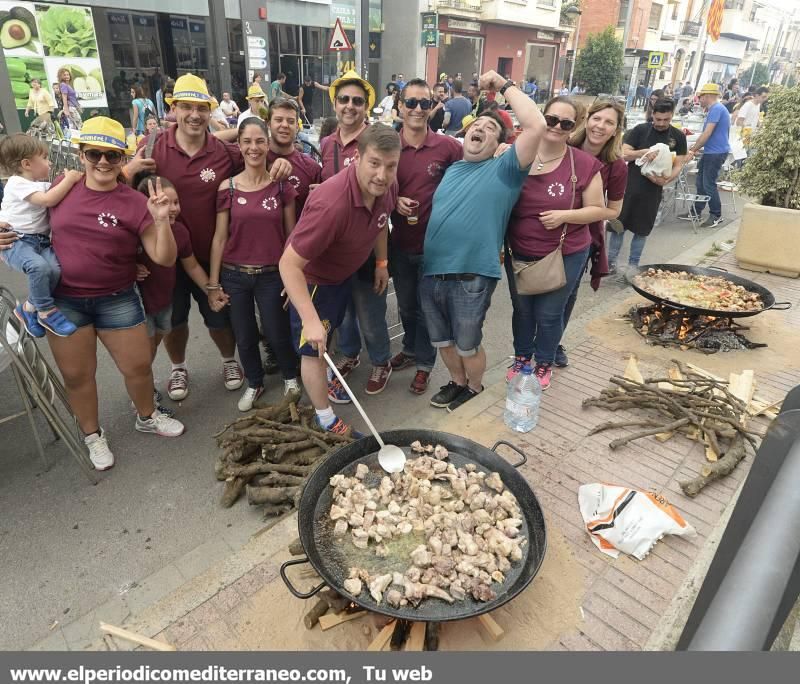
(353, 397)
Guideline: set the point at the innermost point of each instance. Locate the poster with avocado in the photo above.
(39, 40)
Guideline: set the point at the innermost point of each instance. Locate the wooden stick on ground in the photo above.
(416, 640)
(328, 621)
(380, 641)
(152, 644)
(494, 630)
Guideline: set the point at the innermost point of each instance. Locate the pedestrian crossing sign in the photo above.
(655, 60)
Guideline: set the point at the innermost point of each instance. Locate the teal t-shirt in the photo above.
(471, 208)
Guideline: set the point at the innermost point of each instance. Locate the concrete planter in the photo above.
(769, 240)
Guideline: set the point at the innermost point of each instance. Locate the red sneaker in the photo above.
(401, 361)
(544, 374)
(379, 378)
(420, 383)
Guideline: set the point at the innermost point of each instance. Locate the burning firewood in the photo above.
(689, 403)
(269, 453)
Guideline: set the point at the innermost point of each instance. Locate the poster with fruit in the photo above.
(19, 35)
(86, 79)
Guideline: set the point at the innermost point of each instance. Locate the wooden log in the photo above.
(328, 621)
(432, 637)
(296, 548)
(335, 601)
(632, 371)
(293, 412)
(311, 618)
(273, 510)
(399, 634)
(491, 627)
(380, 641)
(134, 638)
(270, 495)
(234, 486)
(259, 468)
(714, 471)
(416, 639)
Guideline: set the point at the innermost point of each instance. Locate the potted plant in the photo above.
(769, 237)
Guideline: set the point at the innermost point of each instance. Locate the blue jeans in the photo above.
(33, 256)
(615, 245)
(366, 313)
(264, 290)
(407, 274)
(538, 320)
(573, 297)
(707, 174)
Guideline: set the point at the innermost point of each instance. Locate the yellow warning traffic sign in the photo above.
(656, 60)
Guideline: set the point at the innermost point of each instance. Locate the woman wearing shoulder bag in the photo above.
(549, 239)
(141, 108)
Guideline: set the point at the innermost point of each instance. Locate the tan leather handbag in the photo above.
(546, 274)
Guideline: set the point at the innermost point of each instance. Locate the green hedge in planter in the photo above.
(771, 174)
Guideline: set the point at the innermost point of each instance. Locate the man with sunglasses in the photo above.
(471, 209)
(424, 159)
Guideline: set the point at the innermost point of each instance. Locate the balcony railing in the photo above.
(690, 28)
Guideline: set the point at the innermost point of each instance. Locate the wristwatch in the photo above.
(505, 87)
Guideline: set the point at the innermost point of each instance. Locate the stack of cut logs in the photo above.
(269, 453)
(691, 402)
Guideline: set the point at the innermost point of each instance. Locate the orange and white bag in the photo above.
(628, 520)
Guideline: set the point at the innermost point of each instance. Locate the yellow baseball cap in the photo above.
(466, 122)
(255, 91)
(100, 131)
(709, 89)
(191, 88)
(352, 76)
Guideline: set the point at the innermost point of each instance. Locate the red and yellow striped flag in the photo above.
(714, 21)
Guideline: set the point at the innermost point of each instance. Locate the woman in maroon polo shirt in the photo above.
(96, 232)
(600, 136)
(544, 215)
(254, 217)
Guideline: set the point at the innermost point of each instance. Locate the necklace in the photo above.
(542, 162)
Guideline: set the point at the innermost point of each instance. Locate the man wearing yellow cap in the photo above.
(255, 100)
(714, 143)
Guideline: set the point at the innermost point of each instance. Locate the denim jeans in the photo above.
(407, 274)
(707, 174)
(264, 290)
(33, 256)
(366, 313)
(615, 246)
(538, 320)
(573, 297)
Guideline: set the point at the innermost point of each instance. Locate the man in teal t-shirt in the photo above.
(276, 88)
(714, 143)
(471, 208)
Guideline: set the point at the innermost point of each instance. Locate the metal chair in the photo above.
(38, 384)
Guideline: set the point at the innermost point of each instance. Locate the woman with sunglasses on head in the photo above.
(97, 229)
(562, 195)
(255, 215)
(601, 137)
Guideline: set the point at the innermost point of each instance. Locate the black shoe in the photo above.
(446, 394)
(466, 394)
(561, 357)
(270, 361)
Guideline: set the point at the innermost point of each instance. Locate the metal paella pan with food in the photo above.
(708, 291)
(334, 555)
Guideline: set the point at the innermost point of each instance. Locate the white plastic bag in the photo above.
(661, 165)
(628, 520)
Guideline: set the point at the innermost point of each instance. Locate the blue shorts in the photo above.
(330, 301)
(455, 310)
(118, 311)
(159, 322)
(186, 290)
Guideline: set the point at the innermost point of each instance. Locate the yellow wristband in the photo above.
(382, 263)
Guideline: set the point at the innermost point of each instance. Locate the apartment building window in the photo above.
(550, 4)
(655, 17)
(734, 4)
(623, 12)
(675, 8)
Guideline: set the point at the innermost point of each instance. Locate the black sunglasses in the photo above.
(553, 121)
(357, 100)
(112, 156)
(412, 102)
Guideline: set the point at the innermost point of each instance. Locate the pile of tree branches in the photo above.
(692, 404)
(269, 453)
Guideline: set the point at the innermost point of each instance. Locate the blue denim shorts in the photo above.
(118, 311)
(330, 301)
(159, 322)
(455, 310)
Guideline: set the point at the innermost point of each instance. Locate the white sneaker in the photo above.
(161, 425)
(251, 394)
(99, 453)
(233, 375)
(178, 385)
(291, 386)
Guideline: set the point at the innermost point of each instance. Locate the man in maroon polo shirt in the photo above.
(345, 218)
(283, 116)
(424, 158)
(196, 162)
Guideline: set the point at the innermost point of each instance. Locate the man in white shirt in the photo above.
(748, 115)
(255, 98)
(229, 108)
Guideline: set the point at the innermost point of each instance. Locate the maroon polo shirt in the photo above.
(158, 287)
(332, 148)
(196, 180)
(418, 175)
(305, 172)
(337, 232)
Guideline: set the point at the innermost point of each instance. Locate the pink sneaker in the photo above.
(544, 374)
(516, 368)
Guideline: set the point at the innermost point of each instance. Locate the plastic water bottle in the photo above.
(522, 401)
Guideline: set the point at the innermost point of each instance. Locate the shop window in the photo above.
(654, 21)
(288, 39)
(313, 41)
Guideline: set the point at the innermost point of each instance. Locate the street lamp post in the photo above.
(573, 10)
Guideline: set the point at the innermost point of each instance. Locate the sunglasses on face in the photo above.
(412, 102)
(553, 121)
(357, 100)
(112, 156)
